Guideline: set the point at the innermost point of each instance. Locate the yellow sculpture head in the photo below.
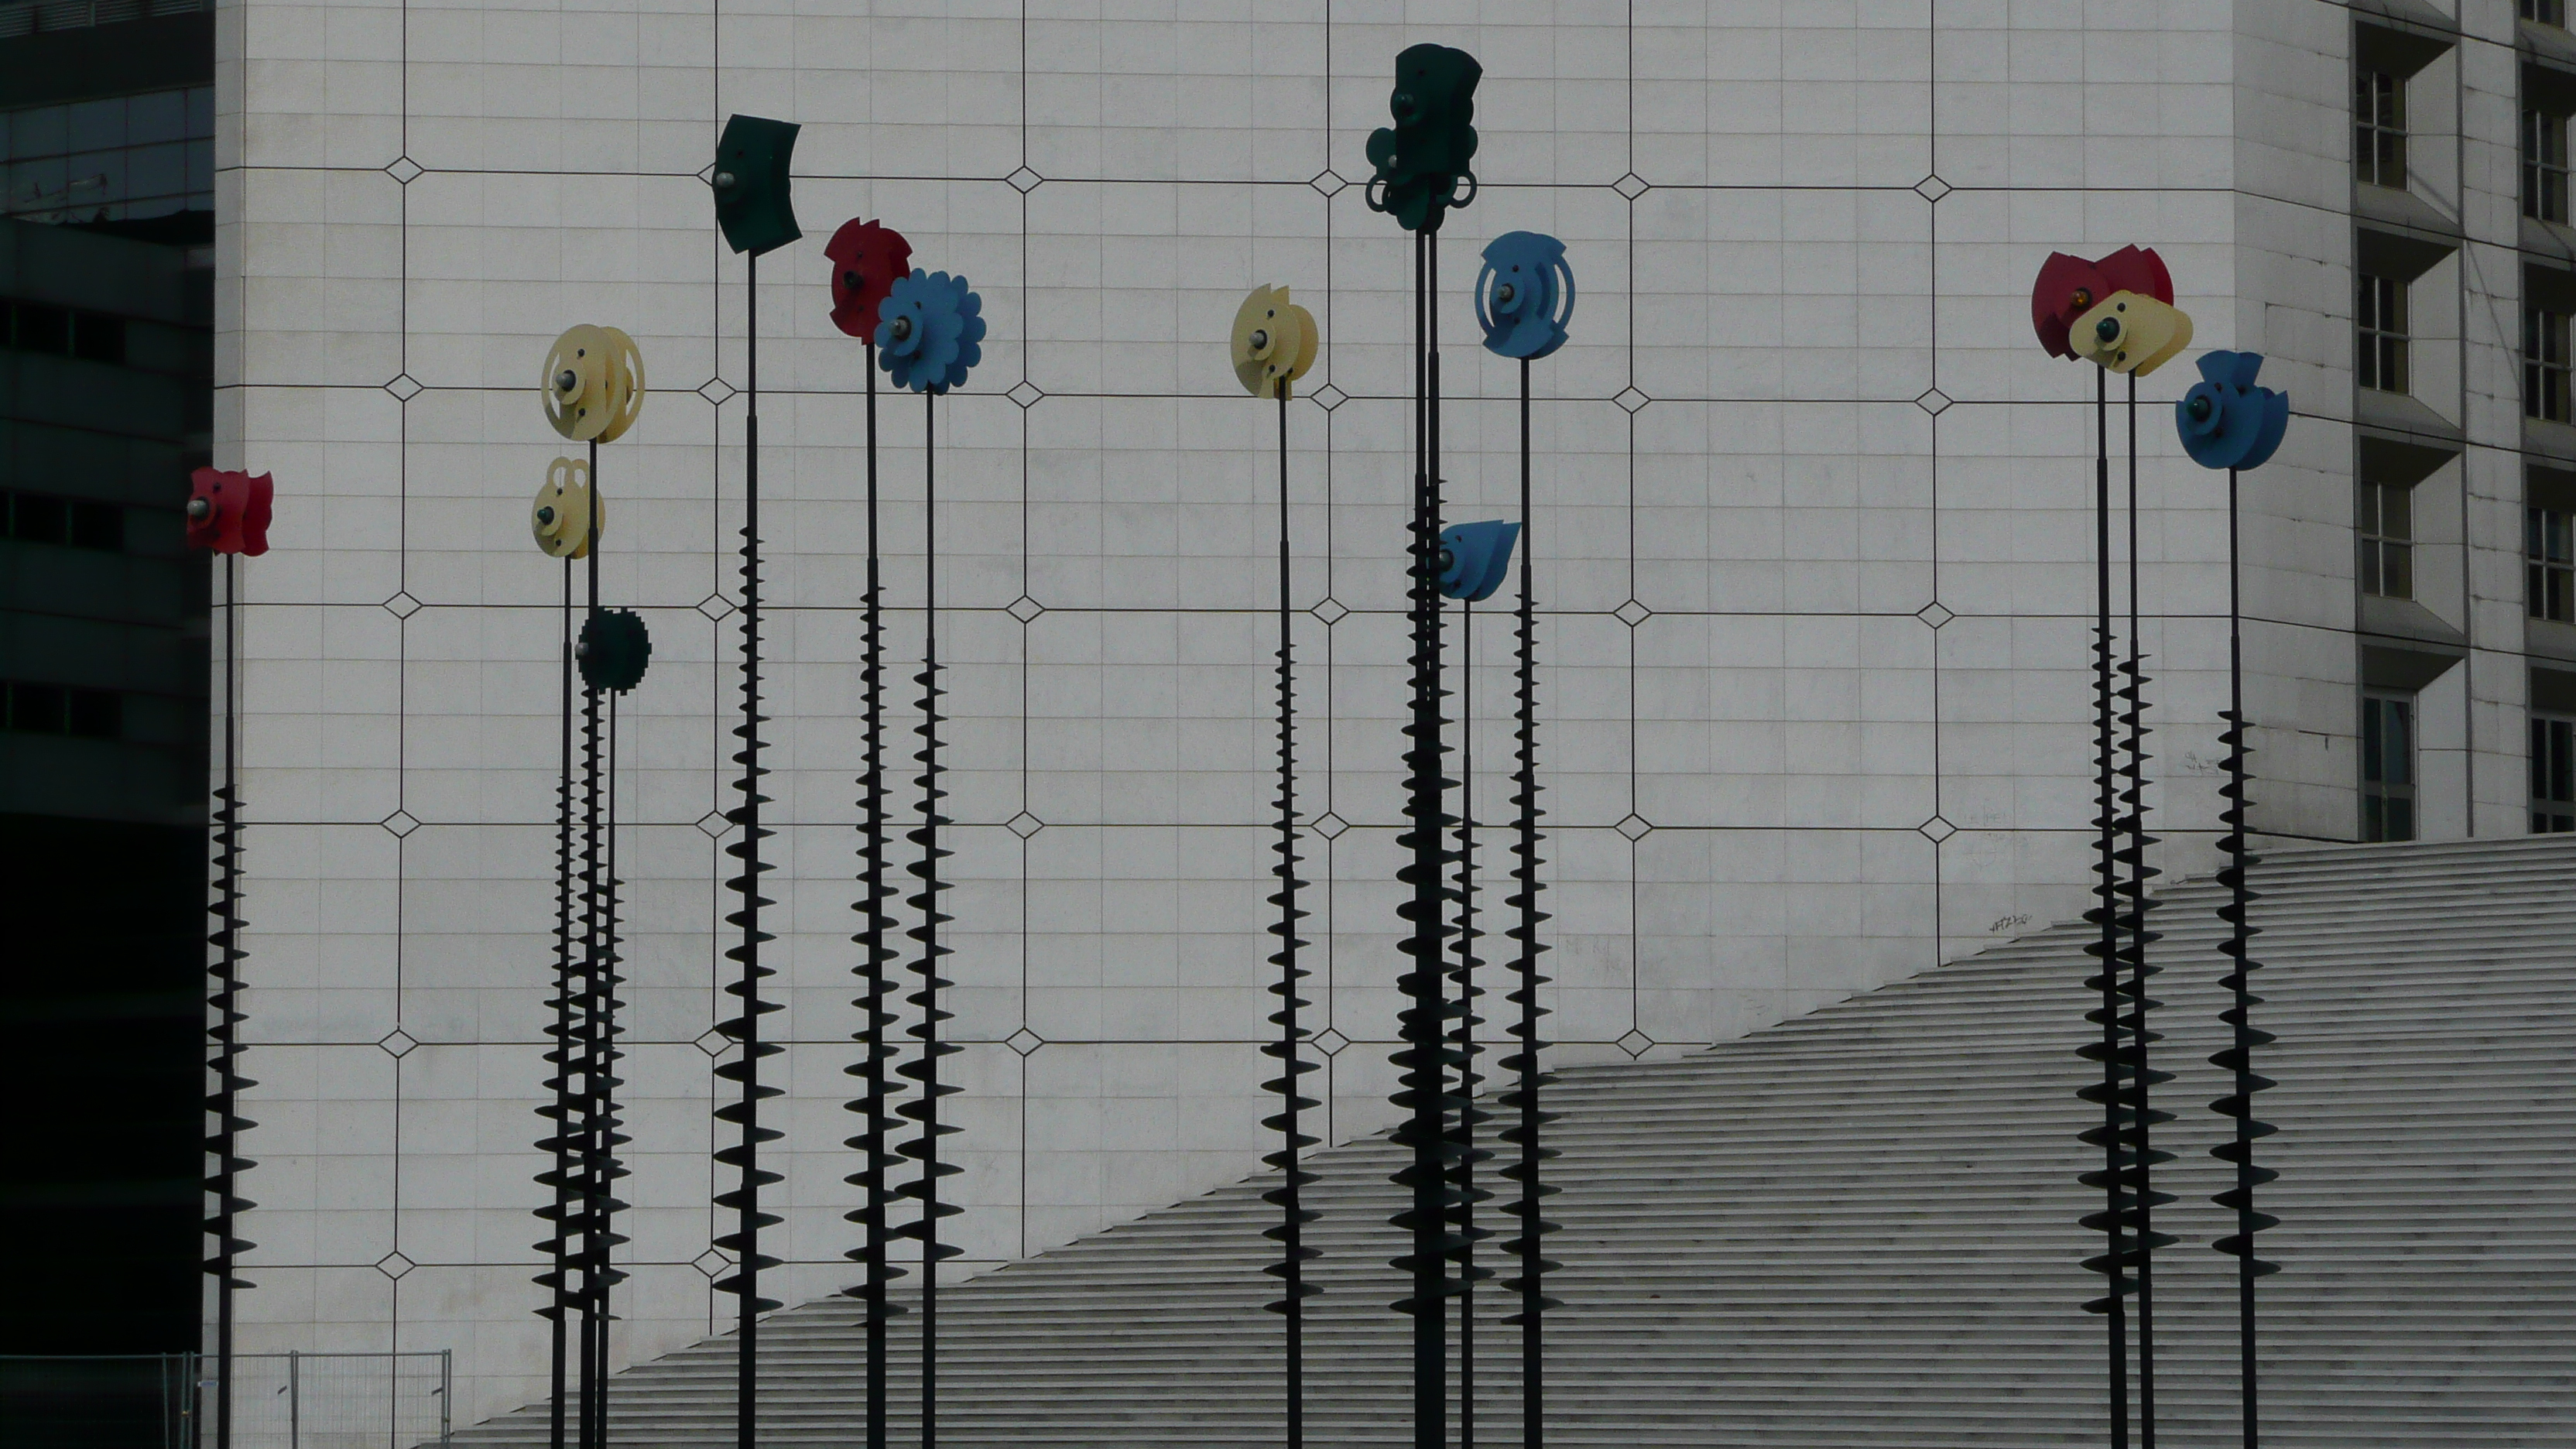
(1275, 341)
(2130, 332)
(567, 515)
(594, 384)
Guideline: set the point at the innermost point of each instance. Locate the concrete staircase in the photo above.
(1858, 1228)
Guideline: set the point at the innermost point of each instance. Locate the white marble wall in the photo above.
(1814, 522)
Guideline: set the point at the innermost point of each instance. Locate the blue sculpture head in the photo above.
(2225, 420)
(1474, 557)
(1525, 295)
(931, 332)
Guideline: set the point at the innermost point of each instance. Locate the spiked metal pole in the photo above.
(1288, 1049)
(1423, 1092)
(875, 1122)
(1463, 1152)
(743, 1155)
(2237, 1057)
(2112, 1135)
(558, 1276)
(923, 1109)
(1523, 1098)
(224, 1017)
(2140, 1112)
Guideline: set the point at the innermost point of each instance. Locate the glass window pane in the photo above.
(97, 178)
(36, 185)
(201, 111)
(2397, 570)
(2396, 515)
(157, 171)
(39, 131)
(96, 125)
(156, 116)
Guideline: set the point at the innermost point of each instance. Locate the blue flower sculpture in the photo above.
(1525, 295)
(1474, 558)
(932, 331)
(2225, 420)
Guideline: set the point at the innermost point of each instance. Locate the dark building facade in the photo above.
(106, 259)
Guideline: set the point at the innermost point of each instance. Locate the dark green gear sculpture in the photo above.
(752, 203)
(1423, 157)
(614, 650)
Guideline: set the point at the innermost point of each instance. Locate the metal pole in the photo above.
(228, 1082)
(874, 954)
(1463, 1193)
(747, 1320)
(744, 1029)
(924, 1109)
(1524, 1133)
(294, 1400)
(560, 1275)
(2238, 1056)
(2113, 1263)
(2142, 1115)
(1423, 1093)
(590, 1029)
(1289, 1232)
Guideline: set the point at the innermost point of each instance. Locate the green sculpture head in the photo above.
(751, 182)
(1420, 160)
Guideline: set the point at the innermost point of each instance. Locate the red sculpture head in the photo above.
(228, 512)
(2068, 287)
(2140, 270)
(866, 259)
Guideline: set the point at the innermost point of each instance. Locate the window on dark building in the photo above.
(54, 709)
(2553, 773)
(2379, 127)
(2545, 12)
(2545, 365)
(2544, 164)
(2383, 519)
(2379, 311)
(2387, 766)
(2549, 563)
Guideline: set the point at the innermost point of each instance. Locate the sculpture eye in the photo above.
(201, 509)
(2199, 409)
(2108, 329)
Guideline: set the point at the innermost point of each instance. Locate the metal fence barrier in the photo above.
(280, 1400)
(342, 1400)
(82, 1401)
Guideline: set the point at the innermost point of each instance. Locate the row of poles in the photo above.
(2118, 313)
(925, 329)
